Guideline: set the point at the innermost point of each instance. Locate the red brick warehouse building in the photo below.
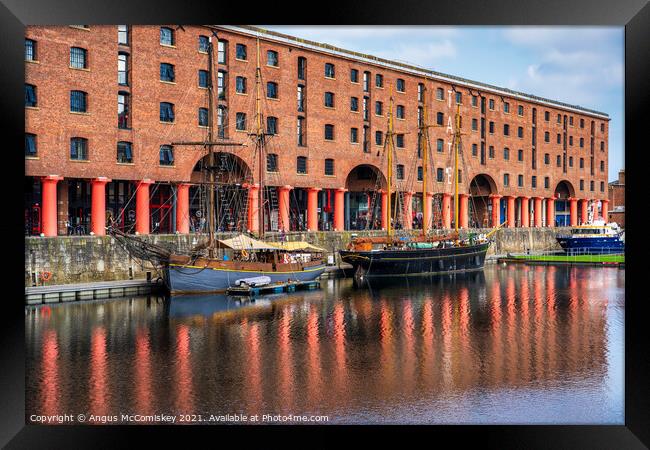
(105, 103)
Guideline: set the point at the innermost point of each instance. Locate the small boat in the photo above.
(593, 239)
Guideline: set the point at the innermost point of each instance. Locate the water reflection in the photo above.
(513, 344)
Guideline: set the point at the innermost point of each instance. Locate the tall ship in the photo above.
(596, 238)
(217, 264)
(394, 255)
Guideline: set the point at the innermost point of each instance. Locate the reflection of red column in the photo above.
(253, 207)
(98, 209)
(312, 209)
(339, 204)
(283, 206)
(48, 201)
(142, 207)
(538, 211)
(550, 211)
(183, 208)
(408, 210)
(462, 210)
(525, 210)
(604, 205)
(446, 210)
(496, 209)
(573, 211)
(583, 210)
(384, 209)
(426, 212)
(511, 211)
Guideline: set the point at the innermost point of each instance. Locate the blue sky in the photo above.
(577, 65)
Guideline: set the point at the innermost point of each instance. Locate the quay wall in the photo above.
(78, 259)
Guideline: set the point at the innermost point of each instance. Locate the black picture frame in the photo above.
(633, 14)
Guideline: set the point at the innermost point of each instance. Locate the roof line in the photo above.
(409, 67)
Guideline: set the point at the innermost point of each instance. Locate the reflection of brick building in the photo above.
(104, 103)
(616, 195)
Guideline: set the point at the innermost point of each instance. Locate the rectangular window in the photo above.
(420, 173)
(602, 186)
(400, 171)
(204, 44)
(271, 90)
(474, 150)
(123, 110)
(570, 140)
(547, 136)
(474, 124)
(366, 81)
(166, 72)
(365, 108)
(240, 52)
(570, 161)
(354, 104)
(123, 69)
(301, 98)
(329, 70)
(166, 155)
(558, 161)
(506, 153)
(399, 141)
(533, 181)
(30, 95)
(439, 174)
(547, 182)
(491, 127)
(166, 36)
(354, 135)
(30, 145)
(301, 165)
(240, 121)
(420, 92)
(166, 112)
(401, 85)
(582, 142)
(30, 50)
(547, 116)
(379, 80)
(221, 52)
(271, 162)
(440, 94)
(79, 149)
(602, 127)
(204, 77)
(354, 75)
(602, 146)
(571, 120)
(506, 179)
(329, 99)
(582, 163)
(491, 104)
(440, 145)
(520, 110)
(559, 138)
(582, 185)
(329, 132)
(520, 181)
(221, 122)
(123, 34)
(591, 185)
(520, 155)
(78, 58)
(329, 166)
(124, 152)
(378, 108)
(602, 166)
(272, 58)
(301, 131)
(506, 129)
(302, 67)
(520, 132)
(474, 101)
(400, 112)
(506, 107)
(379, 139)
(203, 117)
(547, 158)
(440, 118)
(77, 101)
(240, 85)
(459, 98)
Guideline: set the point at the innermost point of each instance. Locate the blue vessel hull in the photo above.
(591, 245)
(184, 279)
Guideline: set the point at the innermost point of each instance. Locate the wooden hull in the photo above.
(386, 263)
(206, 275)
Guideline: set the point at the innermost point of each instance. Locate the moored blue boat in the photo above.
(594, 239)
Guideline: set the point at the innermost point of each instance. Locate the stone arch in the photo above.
(365, 177)
(482, 185)
(564, 189)
(230, 169)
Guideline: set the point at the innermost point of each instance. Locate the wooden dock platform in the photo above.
(273, 288)
(35, 295)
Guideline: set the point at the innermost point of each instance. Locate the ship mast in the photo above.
(456, 145)
(211, 205)
(389, 171)
(259, 136)
(426, 210)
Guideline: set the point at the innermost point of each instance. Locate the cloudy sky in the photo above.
(577, 65)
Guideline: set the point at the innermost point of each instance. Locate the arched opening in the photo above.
(480, 206)
(231, 174)
(563, 191)
(363, 198)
